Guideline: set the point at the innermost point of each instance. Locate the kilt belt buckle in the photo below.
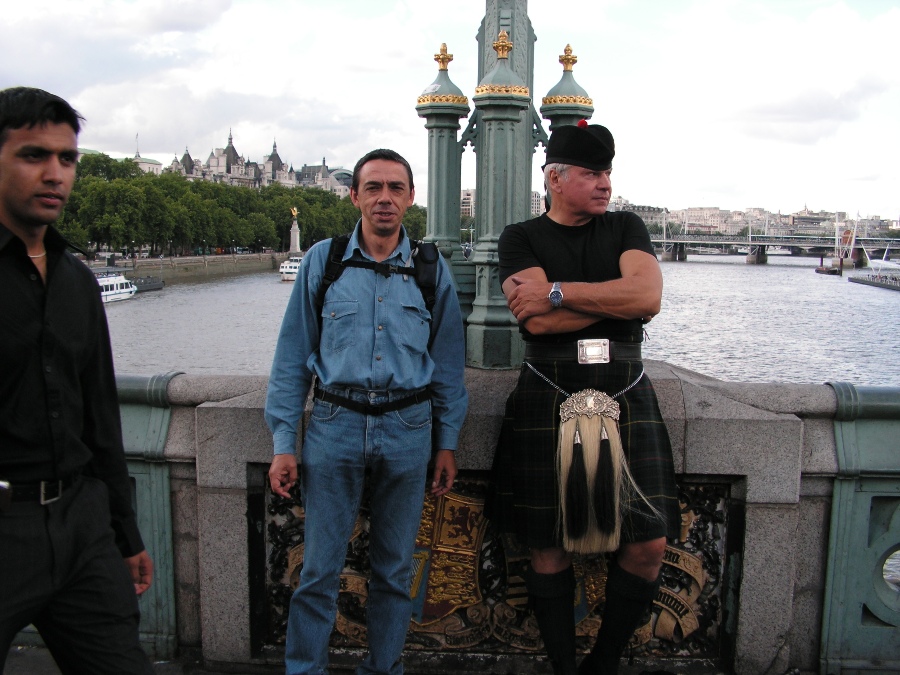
(593, 351)
(48, 488)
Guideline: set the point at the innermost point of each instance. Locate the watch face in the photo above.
(556, 298)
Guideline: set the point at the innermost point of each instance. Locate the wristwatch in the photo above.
(556, 295)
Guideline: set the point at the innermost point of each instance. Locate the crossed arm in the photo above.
(636, 295)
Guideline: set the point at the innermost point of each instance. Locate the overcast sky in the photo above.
(776, 104)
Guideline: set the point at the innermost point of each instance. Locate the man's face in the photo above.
(37, 171)
(586, 191)
(383, 197)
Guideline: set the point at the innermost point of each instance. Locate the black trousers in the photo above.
(61, 571)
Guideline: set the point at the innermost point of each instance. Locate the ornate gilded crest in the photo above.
(588, 402)
(446, 558)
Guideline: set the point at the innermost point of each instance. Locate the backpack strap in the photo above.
(425, 257)
(334, 267)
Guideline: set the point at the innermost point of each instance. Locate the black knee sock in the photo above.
(628, 597)
(553, 599)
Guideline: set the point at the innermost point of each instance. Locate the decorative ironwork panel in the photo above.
(467, 580)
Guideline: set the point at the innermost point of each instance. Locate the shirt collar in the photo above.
(402, 250)
(53, 240)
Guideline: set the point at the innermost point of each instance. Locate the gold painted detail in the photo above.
(503, 46)
(501, 89)
(588, 402)
(446, 98)
(557, 100)
(443, 58)
(446, 559)
(567, 58)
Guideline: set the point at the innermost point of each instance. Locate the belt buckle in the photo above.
(593, 351)
(59, 490)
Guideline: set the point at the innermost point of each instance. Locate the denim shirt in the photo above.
(376, 335)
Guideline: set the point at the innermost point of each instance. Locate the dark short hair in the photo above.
(381, 153)
(26, 107)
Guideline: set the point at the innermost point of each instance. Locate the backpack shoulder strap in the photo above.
(425, 260)
(334, 267)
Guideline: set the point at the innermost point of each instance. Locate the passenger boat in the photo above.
(290, 267)
(114, 286)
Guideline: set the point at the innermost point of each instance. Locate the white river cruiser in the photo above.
(290, 267)
(114, 286)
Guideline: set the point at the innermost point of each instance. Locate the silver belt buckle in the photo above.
(593, 351)
(49, 483)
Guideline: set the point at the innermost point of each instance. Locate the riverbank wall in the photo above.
(790, 508)
(198, 268)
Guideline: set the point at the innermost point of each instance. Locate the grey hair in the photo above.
(561, 169)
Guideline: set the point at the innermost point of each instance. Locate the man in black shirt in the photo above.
(71, 559)
(581, 282)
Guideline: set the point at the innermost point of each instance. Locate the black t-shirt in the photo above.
(587, 253)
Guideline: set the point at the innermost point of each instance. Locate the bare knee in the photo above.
(643, 558)
(549, 560)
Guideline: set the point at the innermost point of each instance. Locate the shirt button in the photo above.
(378, 358)
(380, 298)
(332, 315)
(49, 369)
(55, 414)
(380, 327)
(33, 277)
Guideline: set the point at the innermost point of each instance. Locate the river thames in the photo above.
(778, 322)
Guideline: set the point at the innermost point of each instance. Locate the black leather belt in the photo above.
(44, 492)
(575, 351)
(368, 409)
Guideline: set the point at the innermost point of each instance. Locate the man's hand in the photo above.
(283, 474)
(141, 568)
(529, 297)
(444, 472)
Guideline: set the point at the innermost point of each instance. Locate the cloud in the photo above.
(809, 116)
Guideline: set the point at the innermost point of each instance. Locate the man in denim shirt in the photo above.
(389, 379)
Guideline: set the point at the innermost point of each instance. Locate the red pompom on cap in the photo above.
(582, 124)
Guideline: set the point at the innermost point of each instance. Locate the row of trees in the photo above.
(116, 205)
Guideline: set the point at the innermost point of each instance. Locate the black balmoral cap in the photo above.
(587, 145)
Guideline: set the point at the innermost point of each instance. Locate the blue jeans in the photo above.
(339, 447)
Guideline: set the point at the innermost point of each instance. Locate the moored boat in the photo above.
(114, 286)
(149, 284)
(290, 267)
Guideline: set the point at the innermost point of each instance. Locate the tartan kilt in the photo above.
(525, 498)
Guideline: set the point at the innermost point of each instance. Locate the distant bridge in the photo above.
(674, 247)
(787, 241)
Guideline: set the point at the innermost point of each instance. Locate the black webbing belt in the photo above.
(367, 409)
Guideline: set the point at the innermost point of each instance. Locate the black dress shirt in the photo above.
(59, 409)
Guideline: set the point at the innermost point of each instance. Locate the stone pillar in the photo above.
(442, 104)
(502, 100)
(295, 233)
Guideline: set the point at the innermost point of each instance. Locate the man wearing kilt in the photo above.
(582, 282)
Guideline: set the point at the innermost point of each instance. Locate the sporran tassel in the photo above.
(577, 497)
(606, 488)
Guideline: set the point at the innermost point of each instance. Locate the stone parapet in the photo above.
(773, 443)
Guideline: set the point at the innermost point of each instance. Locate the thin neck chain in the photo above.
(39, 255)
(567, 394)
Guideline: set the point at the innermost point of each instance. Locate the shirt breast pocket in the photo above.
(339, 324)
(415, 329)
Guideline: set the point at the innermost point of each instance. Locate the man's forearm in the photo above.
(628, 298)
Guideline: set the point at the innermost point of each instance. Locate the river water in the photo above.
(778, 322)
